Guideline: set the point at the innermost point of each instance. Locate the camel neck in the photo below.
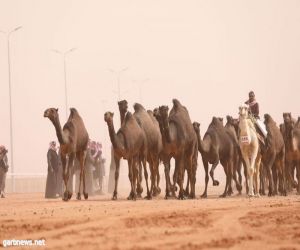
(244, 126)
(203, 145)
(122, 115)
(114, 137)
(59, 132)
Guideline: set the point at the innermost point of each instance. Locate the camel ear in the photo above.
(112, 114)
(56, 110)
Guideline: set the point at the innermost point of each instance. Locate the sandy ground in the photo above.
(99, 223)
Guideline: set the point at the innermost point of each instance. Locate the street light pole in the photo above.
(10, 105)
(64, 54)
(118, 74)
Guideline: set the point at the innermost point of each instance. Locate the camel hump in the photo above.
(137, 107)
(128, 116)
(176, 103)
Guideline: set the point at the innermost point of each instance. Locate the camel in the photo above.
(178, 131)
(292, 144)
(73, 140)
(274, 157)
(249, 145)
(154, 146)
(216, 146)
(130, 143)
(289, 123)
(169, 150)
(231, 127)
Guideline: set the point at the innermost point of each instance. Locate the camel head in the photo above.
(164, 111)
(243, 111)
(287, 117)
(51, 113)
(3, 152)
(156, 113)
(123, 106)
(268, 119)
(108, 117)
(196, 126)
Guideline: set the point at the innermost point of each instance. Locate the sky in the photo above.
(207, 54)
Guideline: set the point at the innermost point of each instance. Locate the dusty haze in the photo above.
(208, 54)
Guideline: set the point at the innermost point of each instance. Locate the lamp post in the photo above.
(8, 33)
(118, 75)
(64, 54)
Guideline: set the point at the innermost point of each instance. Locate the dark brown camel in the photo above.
(154, 146)
(273, 157)
(73, 140)
(216, 147)
(130, 143)
(292, 144)
(178, 130)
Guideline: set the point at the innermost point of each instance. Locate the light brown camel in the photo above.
(177, 127)
(274, 157)
(292, 144)
(216, 147)
(73, 140)
(130, 143)
(249, 145)
(154, 146)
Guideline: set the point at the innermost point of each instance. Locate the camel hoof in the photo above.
(78, 196)
(139, 196)
(114, 198)
(66, 196)
(86, 196)
(70, 195)
(203, 196)
(148, 197)
(181, 197)
(216, 183)
(192, 196)
(222, 195)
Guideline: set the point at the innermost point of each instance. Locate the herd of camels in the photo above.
(146, 136)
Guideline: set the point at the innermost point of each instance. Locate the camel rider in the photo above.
(254, 111)
(253, 105)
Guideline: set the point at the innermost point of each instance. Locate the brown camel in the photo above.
(231, 128)
(169, 150)
(285, 128)
(273, 157)
(216, 147)
(154, 146)
(178, 130)
(73, 140)
(292, 144)
(130, 143)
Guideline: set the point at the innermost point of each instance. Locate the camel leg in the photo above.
(64, 165)
(298, 177)
(187, 188)
(269, 165)
(179, 164)
(81, 157)
(167, 176)
(211, 172)
(139, 167)
(149, 196)
(247, 174)
(236, 169)
(205, 164)
(157, 177)
(117, 161)
(239, 171)
(275, 178)
(70, 164)
(226, 166)
(132, 195)
(257, 175)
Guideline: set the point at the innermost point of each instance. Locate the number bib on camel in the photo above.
(245, 139)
